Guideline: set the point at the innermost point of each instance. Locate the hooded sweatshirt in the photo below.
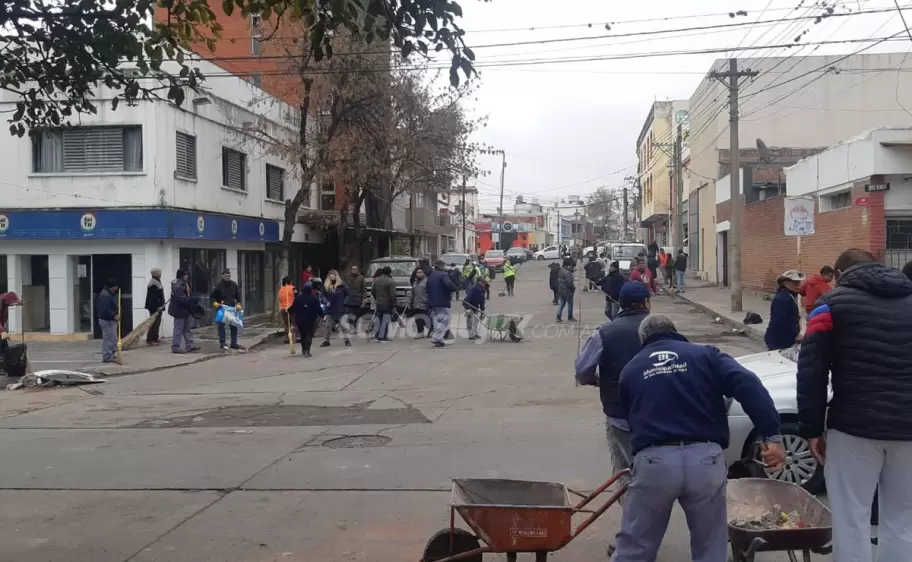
(812, 289)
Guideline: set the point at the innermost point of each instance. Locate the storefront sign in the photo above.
(134, 224)
(799, 216)
(862, 202)
(876, 187)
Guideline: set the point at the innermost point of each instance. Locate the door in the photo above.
(119, 268)
(722, 257)
(251, 281)
(85, 298)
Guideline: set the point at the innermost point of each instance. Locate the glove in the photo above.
(216, 304)
(238, 307)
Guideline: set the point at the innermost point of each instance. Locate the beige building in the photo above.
(804, 103)
(655, 150)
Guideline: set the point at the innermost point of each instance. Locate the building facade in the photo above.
(146, 186)
(817, 101)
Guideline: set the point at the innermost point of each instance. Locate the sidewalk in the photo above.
(85, 356)
(717, 301)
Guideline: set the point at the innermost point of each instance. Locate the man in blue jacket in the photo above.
(106, 311)
(474, 304)
(673, 394)
(440, 291)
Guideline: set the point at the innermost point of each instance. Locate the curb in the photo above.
(750, 331)
(258, 342)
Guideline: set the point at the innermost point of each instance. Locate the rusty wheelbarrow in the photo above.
(749, 498)
(514, 516)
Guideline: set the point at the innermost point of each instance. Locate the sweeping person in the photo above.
(509, 274)
(418, 302)
(307, 313)
(106, 311)
(335, 294)
(155, 304)
(474, 305)
(440, 297)
(286, 299)
(179, 308)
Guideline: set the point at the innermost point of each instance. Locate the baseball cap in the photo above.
(634, 291)
(791, 275)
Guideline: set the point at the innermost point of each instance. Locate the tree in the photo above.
(56, 52)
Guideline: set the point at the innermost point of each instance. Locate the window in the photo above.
(275, 183)
(186, 156)
(419, 200)
(87, 150)
(836, 201)
(256, 79)
(899, 233)
(234, 169)
(328, 197)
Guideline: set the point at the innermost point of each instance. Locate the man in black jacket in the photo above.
(860, 332)
(155, 304)
(180, 308)
(227, 293)
(106, 311)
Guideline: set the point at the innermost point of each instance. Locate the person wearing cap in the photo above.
(180, 309)
(226, 293)
(784, 327)
(440, 289)
(155, 303)
(600, 363)
(106, 311)
(673, 395)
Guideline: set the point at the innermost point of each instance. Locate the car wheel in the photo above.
(801, 466)
(540, 258)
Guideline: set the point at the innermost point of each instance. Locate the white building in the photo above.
(140, 187)
(464, 211)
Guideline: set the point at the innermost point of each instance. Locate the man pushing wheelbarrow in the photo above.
(675, 397)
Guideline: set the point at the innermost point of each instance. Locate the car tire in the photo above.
(794, 443)
(540, 258)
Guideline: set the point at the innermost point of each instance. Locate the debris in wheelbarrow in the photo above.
(772, 519)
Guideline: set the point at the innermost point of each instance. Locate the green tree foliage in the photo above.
(56, 53)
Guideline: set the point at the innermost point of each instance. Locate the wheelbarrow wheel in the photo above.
(438, 548)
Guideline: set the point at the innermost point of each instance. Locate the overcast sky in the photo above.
(570, 127)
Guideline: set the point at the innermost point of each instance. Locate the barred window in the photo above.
(234, 169)
(186, 156)
(275, 183)
(88, 150)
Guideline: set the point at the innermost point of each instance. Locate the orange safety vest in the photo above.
(286, 297)
(663, 259)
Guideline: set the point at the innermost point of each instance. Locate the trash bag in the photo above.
(753, 318)
(230, 316)
(14, 361)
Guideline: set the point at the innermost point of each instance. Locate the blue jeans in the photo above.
(383, 319)
(679, 280)
(221, 334)
(694, 476)
(108, 340)
(564, 301)
(612, 309)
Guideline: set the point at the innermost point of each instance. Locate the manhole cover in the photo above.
(357, 442)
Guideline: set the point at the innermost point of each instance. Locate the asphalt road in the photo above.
(346, 456)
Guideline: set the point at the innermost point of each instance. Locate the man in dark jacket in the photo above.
(424, 266)
(440, 291)
(226, 293)
(859, 340)
(673, 394)
(680, 267)
(354, 300)
(554, 268)
(106, 311)
(179, 308)
(784, 326)
(155, 304)
(611, 285)
(307, 313)
(593, 271)
(384, 293)
(474, 304)
(566, 288)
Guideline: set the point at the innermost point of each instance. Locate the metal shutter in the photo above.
(93, 149)
(233, 169)
(186, 156)
(275, 183)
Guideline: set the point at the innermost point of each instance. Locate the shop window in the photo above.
(275, 183)
(234, 169)
(204, 267)
(328, 197)
(80, 150)
(835, 201)
(186, 156)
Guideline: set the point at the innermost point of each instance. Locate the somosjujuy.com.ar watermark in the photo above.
(462, 326)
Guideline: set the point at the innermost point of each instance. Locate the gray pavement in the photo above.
(346, 456)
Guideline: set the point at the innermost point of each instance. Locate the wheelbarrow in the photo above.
(514, 516)
(749, 498)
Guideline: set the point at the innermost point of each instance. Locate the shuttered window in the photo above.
(275, 183)
(234, 169)
(186, 156)
(88, 150)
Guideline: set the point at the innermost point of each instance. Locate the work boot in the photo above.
(307, 355)
(324, 344)
(348, 343)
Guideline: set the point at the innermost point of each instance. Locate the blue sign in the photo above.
(106, 224)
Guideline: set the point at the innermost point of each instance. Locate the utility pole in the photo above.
(679, 189)
(464, 215)
(624, 218)
(503, 170)
(730, 79)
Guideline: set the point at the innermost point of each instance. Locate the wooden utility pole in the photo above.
(624, 218)
(503, 170)
(730, 78)
(464, 215)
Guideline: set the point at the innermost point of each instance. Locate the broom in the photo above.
(130, 340)
(119, 341)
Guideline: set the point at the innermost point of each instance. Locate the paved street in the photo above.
(346, 456)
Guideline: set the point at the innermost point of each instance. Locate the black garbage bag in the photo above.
(14, 360)
(753, 318)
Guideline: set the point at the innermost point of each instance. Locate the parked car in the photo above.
(494, 259)
(624, 253)
(402, 268)
(455, 258)
(590, 251)
(516, 255)
(549, 253)
(777, 370)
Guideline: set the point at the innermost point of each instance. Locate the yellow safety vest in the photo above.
(509, 271)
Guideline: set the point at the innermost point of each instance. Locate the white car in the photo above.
(549, 253)
(777, 370)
